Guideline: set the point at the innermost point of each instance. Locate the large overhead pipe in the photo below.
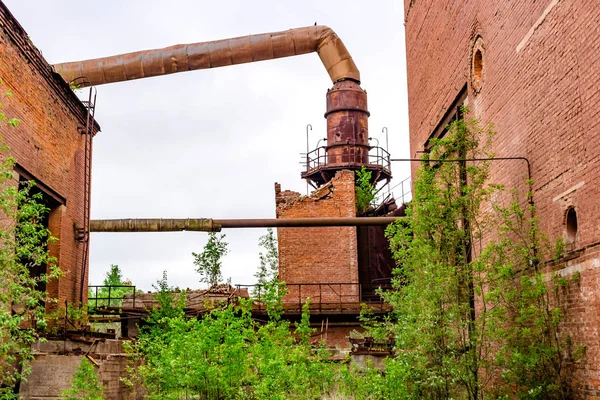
(218, 53)
(347, 114)
(215, 225)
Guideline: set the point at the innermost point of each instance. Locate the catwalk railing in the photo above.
(319, 158)
(333, 297)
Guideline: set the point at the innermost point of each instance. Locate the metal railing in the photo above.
(401, 192)
(324, 297)
(111, 297)
(376, 156)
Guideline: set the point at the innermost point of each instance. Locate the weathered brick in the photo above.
(319, 255)
(47, 143)
(543, 102)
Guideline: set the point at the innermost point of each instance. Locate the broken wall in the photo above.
(317, 258)
(56, 362)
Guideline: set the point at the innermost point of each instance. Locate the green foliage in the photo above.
(84, 385)
(23, 245)
(226, 354)
(208, 263)
(460, 250)
(270, 290)
(11, 122)
(559, 249)
(168, 304)
(365, 191)
(370, 383)
(379, 328)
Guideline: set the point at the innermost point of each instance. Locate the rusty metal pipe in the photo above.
(210, 225)
(303, 222)
(219, 53)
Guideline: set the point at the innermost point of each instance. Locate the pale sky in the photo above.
(211, 143)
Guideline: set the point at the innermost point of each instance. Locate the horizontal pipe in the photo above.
(218, 53)
(303, 222)
(210, 225)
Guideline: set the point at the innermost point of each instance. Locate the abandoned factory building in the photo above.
(531, 69)
(49, 146)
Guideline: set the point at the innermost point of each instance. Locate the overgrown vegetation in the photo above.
(84, 385)
(476, 316)
(227, 354)
(23, 246)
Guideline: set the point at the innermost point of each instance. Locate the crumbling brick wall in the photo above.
(539, 85)
(56, 363)
(319, 255)
(47, 144)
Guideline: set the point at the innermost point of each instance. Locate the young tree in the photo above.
(365, 190)
(208, 263)
(84, 385)
(269, 259)
(270, 290)
(113, 277)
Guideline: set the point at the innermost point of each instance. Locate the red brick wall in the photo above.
(334, 335)
(47, 143)
(319, 255)
(541, 89)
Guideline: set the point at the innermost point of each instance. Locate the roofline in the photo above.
(13, 30)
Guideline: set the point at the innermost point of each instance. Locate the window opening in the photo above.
(477, 65)
(454, 113)
(49, 199)
(571, 225)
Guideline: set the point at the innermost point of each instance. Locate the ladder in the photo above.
(83, 233)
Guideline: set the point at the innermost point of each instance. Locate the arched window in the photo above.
(570, 225)
(477, 65)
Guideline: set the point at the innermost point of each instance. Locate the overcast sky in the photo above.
(211, 143)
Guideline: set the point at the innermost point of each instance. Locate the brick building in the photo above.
(49, 147)
(338, 268)
(530, 68)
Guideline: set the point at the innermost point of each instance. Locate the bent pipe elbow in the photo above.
(219, 53)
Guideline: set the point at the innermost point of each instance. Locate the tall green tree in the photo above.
(209, 262)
